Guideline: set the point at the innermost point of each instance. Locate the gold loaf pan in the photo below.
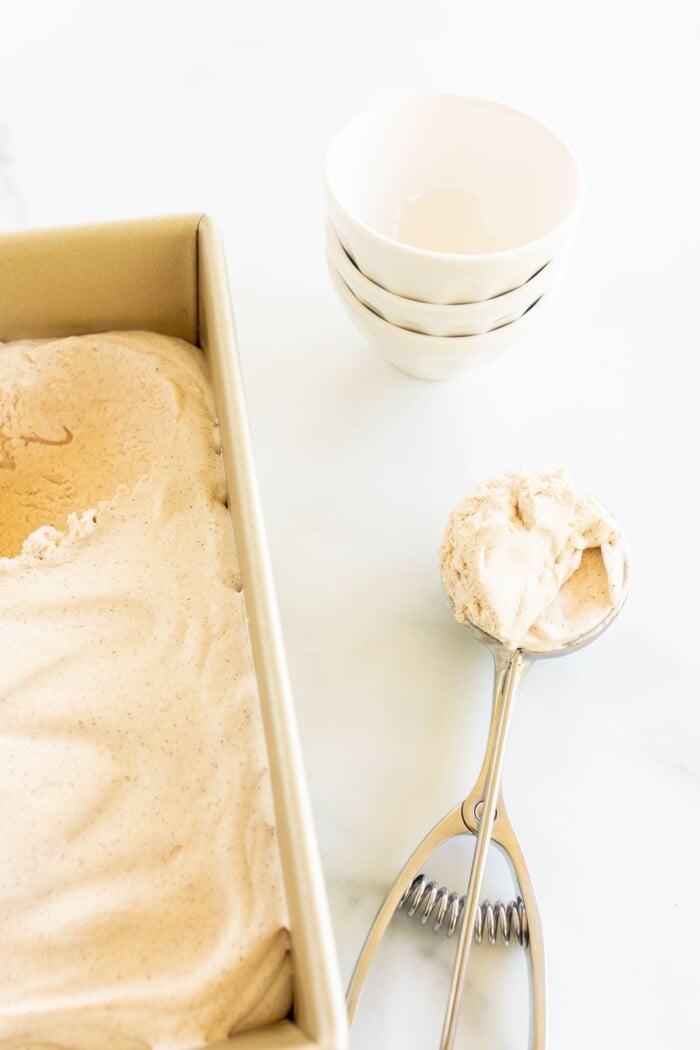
(169, 275)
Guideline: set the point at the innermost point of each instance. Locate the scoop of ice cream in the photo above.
(532, 560)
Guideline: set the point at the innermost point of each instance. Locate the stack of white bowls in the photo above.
(449, 221)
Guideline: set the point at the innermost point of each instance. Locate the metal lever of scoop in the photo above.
(509, 671)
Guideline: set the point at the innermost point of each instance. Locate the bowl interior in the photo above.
(453, 174)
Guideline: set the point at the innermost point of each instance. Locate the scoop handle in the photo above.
(509, 671)
(505, 837)
(506, 840)
(447, 828)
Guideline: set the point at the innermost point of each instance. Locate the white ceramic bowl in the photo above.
(428, 356)
(451, 198)
(432, 318)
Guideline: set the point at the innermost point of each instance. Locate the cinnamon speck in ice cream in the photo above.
(532, 560)
(141, 901)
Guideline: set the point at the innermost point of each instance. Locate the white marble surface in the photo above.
(121, 109)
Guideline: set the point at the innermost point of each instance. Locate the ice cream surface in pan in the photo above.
(532, 560)
(141, 898)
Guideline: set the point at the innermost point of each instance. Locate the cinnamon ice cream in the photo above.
(140, 887)
(532, 560)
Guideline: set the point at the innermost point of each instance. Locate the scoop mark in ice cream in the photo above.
(8, 463)
(532, 560)
(71, 436)
(36, 439)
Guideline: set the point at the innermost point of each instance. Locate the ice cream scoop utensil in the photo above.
(468, 818)
(482, 813)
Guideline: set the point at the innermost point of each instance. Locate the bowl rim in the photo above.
(412, 250)
(333, 243)
(432, 342)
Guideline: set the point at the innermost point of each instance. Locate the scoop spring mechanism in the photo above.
(426, 901)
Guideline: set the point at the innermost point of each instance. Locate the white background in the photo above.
(133, 108)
